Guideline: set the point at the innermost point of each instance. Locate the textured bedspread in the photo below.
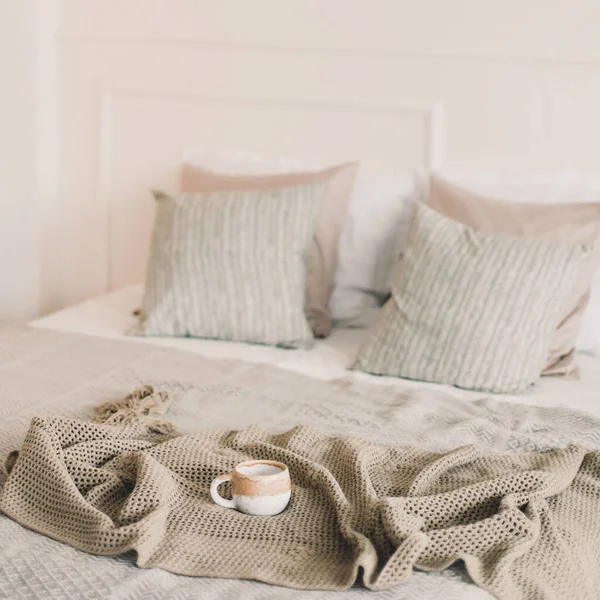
(60, 375)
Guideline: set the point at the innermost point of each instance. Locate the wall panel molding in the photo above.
(561, 30)
(199, 45)
(431, 112)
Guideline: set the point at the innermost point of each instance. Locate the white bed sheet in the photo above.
(111, 315)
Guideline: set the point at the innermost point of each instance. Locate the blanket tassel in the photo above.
(144, 404)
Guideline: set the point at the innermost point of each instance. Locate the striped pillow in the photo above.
(472, 309)
(231, 265)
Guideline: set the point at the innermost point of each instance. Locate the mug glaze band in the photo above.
(248, 484)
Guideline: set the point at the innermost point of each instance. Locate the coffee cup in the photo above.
(259, 487)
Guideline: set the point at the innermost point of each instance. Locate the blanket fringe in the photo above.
(144, 404)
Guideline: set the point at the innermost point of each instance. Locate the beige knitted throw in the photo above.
(526, 526)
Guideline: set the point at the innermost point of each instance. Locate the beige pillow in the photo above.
(323, 257)
(574, 223)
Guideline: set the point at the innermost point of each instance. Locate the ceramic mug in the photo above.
(259, 487)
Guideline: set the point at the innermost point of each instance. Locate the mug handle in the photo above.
(214, 491)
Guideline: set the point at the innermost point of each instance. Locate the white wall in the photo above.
(19, 230)
(128, 86)
(28, 157)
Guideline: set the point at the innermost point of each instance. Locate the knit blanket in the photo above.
(383, 490)
(526, 526)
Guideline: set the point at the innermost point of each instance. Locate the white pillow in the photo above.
(371, 243)
(566, 187)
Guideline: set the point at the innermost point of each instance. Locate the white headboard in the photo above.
(142, 85)
(145, 134)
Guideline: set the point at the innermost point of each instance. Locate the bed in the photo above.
(134, 112)
(82, 355)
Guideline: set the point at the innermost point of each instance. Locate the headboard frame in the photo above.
(314, 132)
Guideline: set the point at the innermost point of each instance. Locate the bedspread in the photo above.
(65, 376)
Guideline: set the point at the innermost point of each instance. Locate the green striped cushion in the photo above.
(471, 309)
(231, 265)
